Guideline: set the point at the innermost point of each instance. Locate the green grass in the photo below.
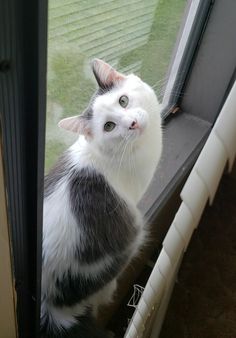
(136, 36)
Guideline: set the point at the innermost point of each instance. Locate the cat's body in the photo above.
(92, 227)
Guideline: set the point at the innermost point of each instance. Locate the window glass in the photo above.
(133, 36)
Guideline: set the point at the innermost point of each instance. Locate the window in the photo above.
(135, 36)
(207, 69)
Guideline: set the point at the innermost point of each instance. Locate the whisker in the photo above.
(122, 156)
(161, 82)
(126, 144)
(109, 165)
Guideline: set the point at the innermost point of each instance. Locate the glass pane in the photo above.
(135, 37)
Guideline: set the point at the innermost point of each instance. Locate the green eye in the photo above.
(123, 101)
(109, 126)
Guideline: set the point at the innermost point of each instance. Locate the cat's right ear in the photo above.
(76, 124)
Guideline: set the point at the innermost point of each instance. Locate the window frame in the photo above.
(196, 110)
(195, 21)
(23, 60)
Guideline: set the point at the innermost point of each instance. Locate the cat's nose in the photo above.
(134, 125)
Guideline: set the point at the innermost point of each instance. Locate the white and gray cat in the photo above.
(92, 227)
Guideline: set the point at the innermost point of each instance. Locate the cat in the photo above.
(92, 227)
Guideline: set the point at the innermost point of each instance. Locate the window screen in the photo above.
(135, 37)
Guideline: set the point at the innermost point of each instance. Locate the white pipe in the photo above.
(200, 187)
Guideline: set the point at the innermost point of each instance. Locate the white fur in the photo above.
(128, 166)
(127, 158)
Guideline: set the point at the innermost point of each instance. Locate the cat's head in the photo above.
(123, 108)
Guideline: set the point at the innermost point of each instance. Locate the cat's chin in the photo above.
(137, 134)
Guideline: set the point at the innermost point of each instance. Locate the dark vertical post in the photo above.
(23, 59)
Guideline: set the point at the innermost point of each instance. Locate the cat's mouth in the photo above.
(135, 134)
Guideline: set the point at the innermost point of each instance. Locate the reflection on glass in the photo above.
(136, 37)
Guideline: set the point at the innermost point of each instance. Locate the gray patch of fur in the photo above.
(108, 225)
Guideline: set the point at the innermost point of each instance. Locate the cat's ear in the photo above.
(105, 75)
(76, 124)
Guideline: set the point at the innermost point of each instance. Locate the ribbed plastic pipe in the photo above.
(200, 187)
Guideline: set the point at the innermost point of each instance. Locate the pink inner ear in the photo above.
(105, 74)
(71, 123)
(115, 76)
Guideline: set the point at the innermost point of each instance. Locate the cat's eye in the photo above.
(109, 126)
(123, 101)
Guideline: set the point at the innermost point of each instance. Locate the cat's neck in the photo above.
(129, 173)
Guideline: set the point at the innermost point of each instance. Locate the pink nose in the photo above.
(134, 125)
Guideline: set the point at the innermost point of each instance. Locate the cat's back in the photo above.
(84, 213)
(90, 233)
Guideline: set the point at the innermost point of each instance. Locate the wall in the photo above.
(7, 303)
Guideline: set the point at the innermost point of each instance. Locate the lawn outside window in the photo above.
(134, 37)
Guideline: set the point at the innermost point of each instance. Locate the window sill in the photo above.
(183, 137)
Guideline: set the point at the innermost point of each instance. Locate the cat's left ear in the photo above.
(76, 124)
(105, 75)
